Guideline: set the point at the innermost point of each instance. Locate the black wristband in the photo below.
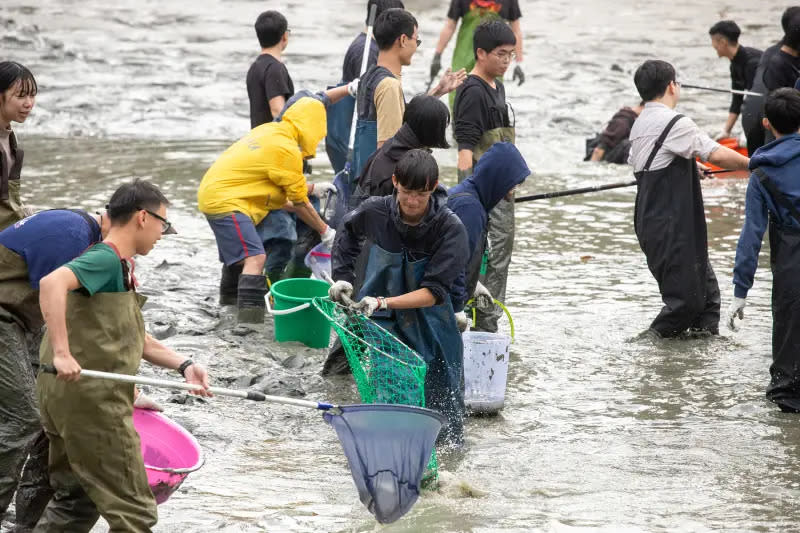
(186, 364)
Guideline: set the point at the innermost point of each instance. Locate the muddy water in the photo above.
(600, 431)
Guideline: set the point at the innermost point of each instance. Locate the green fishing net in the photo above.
(384, 368)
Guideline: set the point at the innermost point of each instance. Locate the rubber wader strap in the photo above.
(660, 141)
(776, 194)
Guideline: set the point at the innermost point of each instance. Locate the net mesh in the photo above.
(384, 368)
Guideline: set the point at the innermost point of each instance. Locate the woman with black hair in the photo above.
(17, 95)
(425, 122)
(415, 249)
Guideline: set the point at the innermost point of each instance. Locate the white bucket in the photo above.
(319, 261)
(485, 370)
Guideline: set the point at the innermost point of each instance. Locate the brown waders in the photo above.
(20, 428)
(501, 237)
(96, 465)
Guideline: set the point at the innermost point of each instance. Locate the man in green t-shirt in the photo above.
(93, 318)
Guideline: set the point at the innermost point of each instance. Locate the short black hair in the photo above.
(782, 109)
(490, 34)
(381, 6)
(391, 25)
(728, 29)
(12, 72)
(652, 78)
(417, 170)
(428, 117)
(270, 27)
(786, 18)
(132, 197)
(791, 36)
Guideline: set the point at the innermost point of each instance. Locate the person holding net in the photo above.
(416, 248)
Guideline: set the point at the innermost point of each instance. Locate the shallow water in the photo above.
(601, 432)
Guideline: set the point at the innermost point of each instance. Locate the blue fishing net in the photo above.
(387, 448)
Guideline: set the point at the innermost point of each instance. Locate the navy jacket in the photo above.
(780, 160)
(500, 169)
(440, 237)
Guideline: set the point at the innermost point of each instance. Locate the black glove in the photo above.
(436, 65)
(518, 74)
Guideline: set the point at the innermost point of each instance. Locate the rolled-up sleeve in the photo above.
(688, 141)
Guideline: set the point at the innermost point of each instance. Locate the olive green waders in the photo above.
(96, 465)
(501, 237)
(11, 208)
(20, 326)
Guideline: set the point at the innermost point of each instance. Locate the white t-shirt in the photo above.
(684, 139)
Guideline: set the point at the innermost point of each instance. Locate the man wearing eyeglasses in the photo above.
(669, 219)
(481, 119)
(92, 312)
(380, 101)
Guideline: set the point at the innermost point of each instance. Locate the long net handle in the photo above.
(169, 384)
(364, 60)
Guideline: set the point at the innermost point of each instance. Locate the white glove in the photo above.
(369, 305)
(461, 321)
(722, 134)
(342, 292)
(352, 88)
(327, 237)
(483, 298)
(323, 188)
(735, 309)
(143, 401)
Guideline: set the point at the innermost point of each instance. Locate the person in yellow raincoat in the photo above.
(261, 172)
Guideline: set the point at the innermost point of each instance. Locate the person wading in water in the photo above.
(669, 219)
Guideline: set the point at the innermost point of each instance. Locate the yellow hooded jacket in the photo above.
(263, 169)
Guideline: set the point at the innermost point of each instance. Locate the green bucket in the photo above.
(295, 318)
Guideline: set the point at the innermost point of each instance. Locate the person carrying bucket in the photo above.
(92, 312)
(29, 250)
(416, 249)
(500, 170)
(340, 115)
(17, 96)
(380, 102)
(669, 219)
(773, 200)
(262, 172)
(472, 13)
(744, 63)
(480, 119)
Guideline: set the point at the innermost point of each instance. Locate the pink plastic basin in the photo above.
(170, 452)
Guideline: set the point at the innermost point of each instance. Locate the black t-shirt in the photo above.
(478, 108)
(351, 68)
(782, 70)
(266, 79)
(743, 71)
(507, 9)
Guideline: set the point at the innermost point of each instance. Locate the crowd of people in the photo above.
(406, 251)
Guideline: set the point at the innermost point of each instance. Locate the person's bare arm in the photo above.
(336, 94)
(597, 154)
(412, 300)
(732, 117)
(464, 159)
(309, 215)
(728, 159)
(158, 354)
(276, 104)
(446, 34)
(53, 289)
(516, 27)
